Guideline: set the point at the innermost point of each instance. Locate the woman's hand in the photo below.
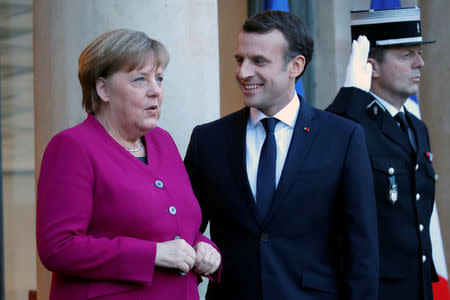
(176, 254)
(208, 259)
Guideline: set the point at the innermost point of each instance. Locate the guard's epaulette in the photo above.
(374, 109)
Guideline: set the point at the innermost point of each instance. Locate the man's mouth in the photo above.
(251, 86)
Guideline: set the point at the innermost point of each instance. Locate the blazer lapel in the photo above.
(303, 136)
(237, 159)
(390, 129)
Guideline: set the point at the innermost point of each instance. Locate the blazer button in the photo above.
(172, 210)
(436, 177)
(421, 227)
(265, 237)
(417, 167)
(391, 171)
(424, 258)
(159, 184)
(417, 196)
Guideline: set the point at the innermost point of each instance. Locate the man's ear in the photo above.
(102, 89)
(375, 67)
(297, 64)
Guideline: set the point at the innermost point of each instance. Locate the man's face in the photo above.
(398, 75)
(261, 73)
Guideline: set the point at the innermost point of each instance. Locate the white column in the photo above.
(62, 28)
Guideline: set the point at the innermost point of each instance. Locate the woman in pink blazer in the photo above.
(116, 215)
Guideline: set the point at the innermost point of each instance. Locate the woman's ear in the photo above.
(102, 89)
(297, 64)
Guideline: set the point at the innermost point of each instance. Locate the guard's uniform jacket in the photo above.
(404, 188)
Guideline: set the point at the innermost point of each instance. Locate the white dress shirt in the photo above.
(256, 134)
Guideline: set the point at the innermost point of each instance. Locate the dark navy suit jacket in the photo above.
(406, 265)
(319, 240)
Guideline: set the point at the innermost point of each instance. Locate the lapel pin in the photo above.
(306, 129)
(429, 156)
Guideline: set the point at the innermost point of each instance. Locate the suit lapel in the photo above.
(389, 128)
(303, 136)
(387, 124)
(237, 160)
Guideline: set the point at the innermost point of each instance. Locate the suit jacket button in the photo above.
(417, 196)
(159, 184)
(391, 171)
(172, 210)
(265, 237)
(436, 177)
(424, 258)
(421, 227)
(417, 167)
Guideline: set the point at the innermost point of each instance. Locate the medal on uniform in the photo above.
(392, 190)
(429, 156)
(393, 193)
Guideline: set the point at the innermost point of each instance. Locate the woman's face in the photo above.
(134, 98)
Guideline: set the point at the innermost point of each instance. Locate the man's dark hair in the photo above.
(378, 53)
(293, 29)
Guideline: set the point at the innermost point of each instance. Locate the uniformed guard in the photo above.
(377, 85)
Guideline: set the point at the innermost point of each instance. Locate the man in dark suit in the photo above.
(398, 145)
(287, 188)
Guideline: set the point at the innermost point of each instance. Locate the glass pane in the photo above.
(16, 65)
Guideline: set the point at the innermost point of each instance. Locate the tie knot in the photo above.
(401, 119)
(269, 124)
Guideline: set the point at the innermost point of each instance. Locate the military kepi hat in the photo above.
(388, 27)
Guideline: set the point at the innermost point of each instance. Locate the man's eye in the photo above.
(159, 79)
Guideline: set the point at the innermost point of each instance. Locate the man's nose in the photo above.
(245, 70)
(419, 63)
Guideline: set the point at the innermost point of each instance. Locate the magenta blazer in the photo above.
(101, 211)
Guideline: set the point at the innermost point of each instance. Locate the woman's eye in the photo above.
(159, 79)
(140, 79)
(259, 61)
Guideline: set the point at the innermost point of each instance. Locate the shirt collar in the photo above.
(390, 108)
(287, 114)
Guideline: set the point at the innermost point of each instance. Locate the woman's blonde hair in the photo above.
(113, 51)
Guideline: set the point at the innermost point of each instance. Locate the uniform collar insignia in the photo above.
(374, 109)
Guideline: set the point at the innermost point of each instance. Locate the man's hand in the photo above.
(176, 254)
(208, 259)
(359, 71)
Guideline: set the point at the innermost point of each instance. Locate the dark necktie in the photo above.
(401, 119)
(265, 181)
